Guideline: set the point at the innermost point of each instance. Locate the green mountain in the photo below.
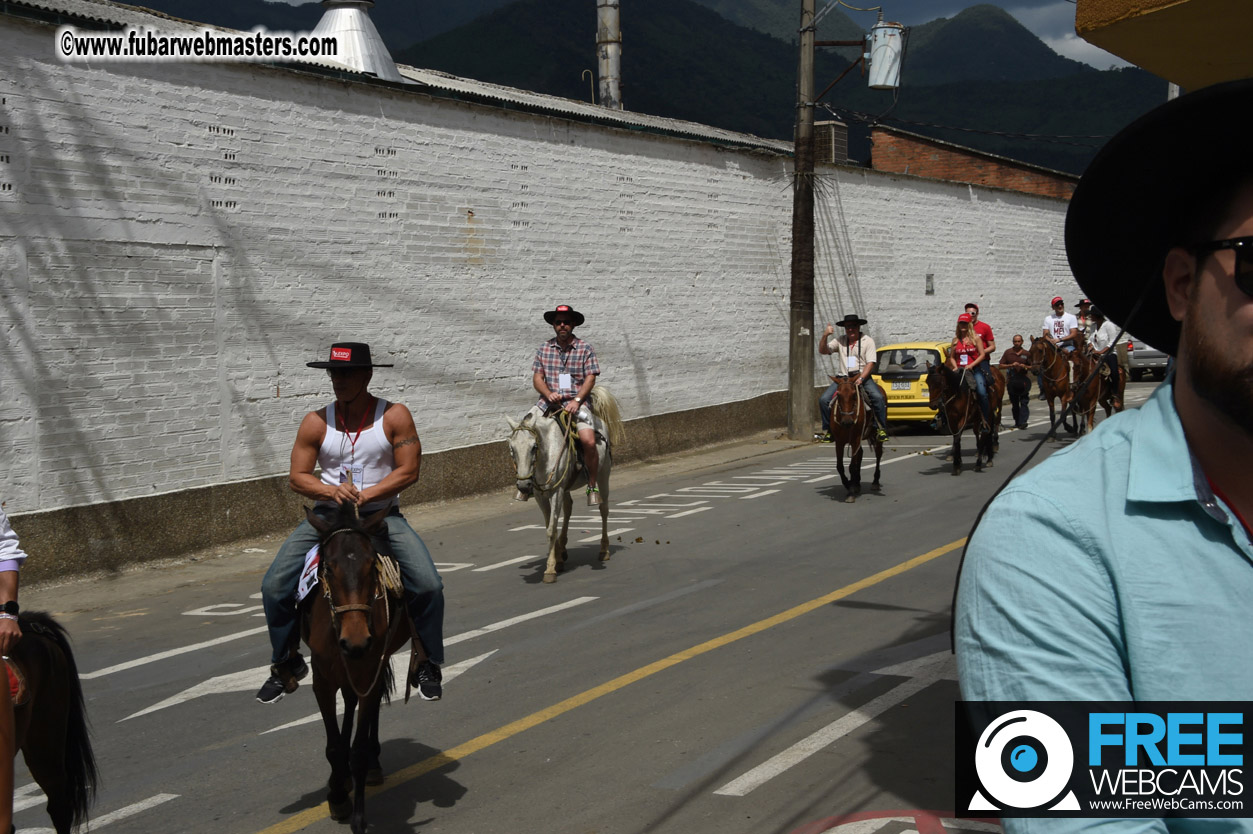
(683, 61)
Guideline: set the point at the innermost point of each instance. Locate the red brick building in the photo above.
(901, 152)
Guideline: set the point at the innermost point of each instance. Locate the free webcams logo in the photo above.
(1101, 759)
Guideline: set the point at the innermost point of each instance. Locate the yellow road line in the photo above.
(474, 745)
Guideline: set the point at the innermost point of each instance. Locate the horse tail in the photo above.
(605, 406)
(80, 761)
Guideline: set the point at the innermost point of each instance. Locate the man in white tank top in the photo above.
(368, 452)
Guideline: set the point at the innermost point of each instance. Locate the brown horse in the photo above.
(352, 628)
(851, 423)
(959, 409)
(50, 720)
(1113, 388)
(1084, 390)
(1050, 361)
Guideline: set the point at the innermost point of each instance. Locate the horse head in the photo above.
(846, 405)
(935, 381)
(1039, 351)
(349, 577)
(523, 448)
(536, 445)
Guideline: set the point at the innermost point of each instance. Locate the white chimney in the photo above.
(609, 53)
(360, 45)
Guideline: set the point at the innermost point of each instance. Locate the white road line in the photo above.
(758, 494)
(251, 679)
(488, 629)
(823, 478)
(449, 567)
(689, 512)
(120, 814)
(28, 796)
(656, 504)
(925, 671)
(400, 668)
(506, 563)
(596, 537)
(153, 658)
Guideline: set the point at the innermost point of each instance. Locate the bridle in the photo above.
(559, 474)
(860, 413)
(380, 592)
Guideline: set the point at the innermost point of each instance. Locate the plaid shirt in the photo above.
(578, 360)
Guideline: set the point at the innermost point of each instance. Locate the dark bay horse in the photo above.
(50, 720)
(1113, 388)
(1054, 369)
(959, 408)
(1085, 391)
(352, 627)
(851, 423)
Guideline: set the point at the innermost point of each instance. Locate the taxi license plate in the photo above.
(903, 385)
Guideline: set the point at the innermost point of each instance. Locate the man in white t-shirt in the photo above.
(1061, 328)
(855, 356)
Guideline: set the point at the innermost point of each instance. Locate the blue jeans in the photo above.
(424, 590)
(982, 383)
(878, 402)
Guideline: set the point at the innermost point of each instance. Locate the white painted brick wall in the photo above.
(180, 239)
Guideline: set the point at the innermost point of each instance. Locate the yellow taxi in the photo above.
(901, 372)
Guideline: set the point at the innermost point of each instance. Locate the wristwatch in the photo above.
(9, 607)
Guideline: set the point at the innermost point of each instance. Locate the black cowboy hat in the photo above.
(851, 320)
(348, 355)
(567, 309)
(1139, 194)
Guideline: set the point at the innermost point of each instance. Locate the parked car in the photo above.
(900, 371)
(1143, 359)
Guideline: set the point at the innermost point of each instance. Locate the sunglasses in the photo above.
(563, 323)
(1243, 247)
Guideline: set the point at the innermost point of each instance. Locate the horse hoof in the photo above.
(604, 557)
(340, 811)
(876, 488)
(550, 578)
(374, 776)
(849, 499)
(956, 471)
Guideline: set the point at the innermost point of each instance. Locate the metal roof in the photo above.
(434, 82)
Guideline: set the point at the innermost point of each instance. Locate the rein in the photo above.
(1054, 357)
(568, 440)
(385, 576)
(861, 404)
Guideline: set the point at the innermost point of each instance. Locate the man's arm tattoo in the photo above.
(408, 441)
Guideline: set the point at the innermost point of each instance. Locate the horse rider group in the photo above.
(363, 451)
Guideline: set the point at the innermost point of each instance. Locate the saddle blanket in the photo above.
(308, 576)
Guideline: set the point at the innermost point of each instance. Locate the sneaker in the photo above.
(284, 678)
(427, 680)
(593, 497)
(826, 438)
(880, 435)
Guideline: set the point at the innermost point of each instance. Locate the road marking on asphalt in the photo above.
(596, 537)
(689, 512)
(870, 464)
(115, 816)
(153, 658)
(305, 818)
(27, 796)
(251, 679)
(400, 670)
(758, 494)
(922, 673)
(506, 563)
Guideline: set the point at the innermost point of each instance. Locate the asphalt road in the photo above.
(757, 656)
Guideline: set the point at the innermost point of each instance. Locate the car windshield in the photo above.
(897, 360)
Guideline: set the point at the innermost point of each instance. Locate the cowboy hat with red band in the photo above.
(566, 309)
(348, 355)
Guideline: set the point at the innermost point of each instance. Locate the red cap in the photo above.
(964, 317)
(1056, 300)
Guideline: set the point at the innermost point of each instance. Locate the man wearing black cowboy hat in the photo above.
(368, 452)
(1120, 569)
(855, 357)
(564, 372)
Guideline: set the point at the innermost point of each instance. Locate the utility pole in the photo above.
(800, 372)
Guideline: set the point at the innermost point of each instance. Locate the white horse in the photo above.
(545, 463)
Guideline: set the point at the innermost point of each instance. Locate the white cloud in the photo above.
(1076, 48)
(1049, 20)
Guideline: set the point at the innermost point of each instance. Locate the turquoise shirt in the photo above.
(1110, 572)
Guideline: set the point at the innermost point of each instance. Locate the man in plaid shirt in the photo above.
(564, 371)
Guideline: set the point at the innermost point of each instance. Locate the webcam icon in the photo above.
(1024, 760)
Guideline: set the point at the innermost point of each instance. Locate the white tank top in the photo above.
(371, 459)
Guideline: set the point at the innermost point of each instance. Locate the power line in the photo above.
(868, 119)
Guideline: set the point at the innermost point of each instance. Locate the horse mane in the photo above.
(605, 406)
